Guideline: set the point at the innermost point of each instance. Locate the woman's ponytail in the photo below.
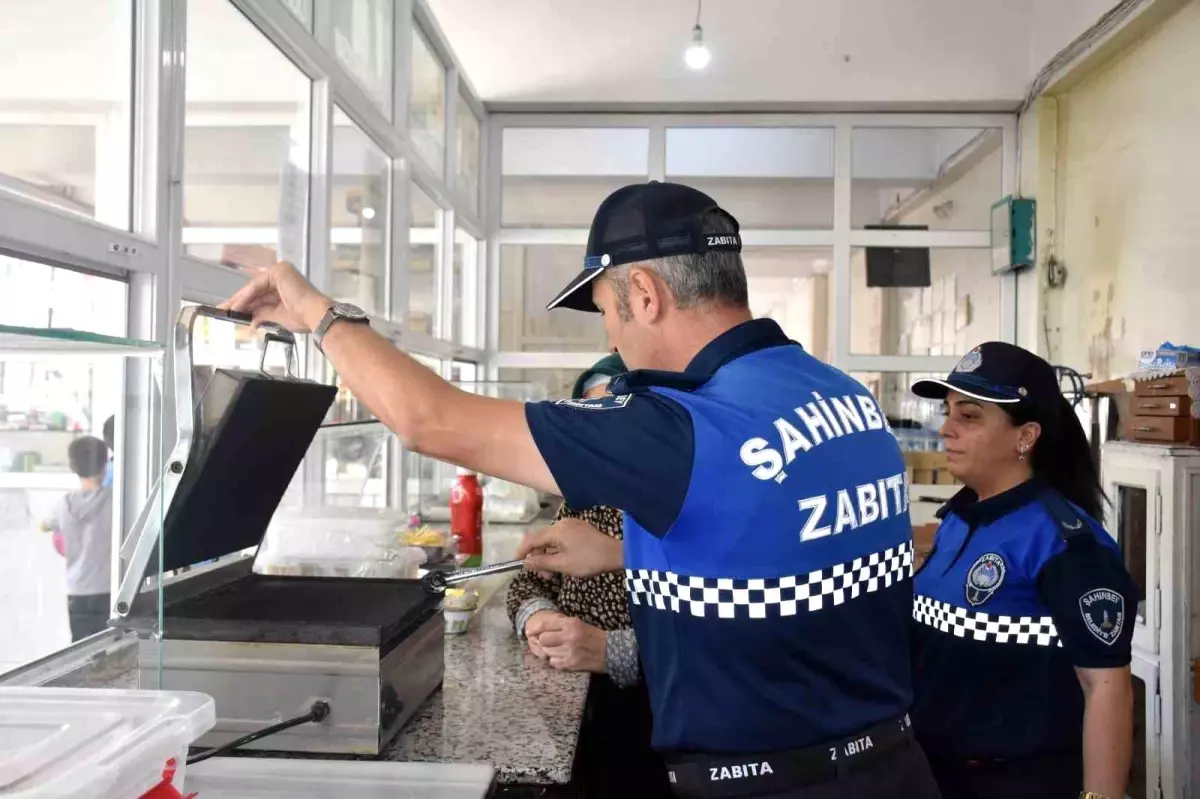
(1062, 457)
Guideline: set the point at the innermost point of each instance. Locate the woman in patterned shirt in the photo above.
(584, 625)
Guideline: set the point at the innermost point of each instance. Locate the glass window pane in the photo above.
(914, 420)
(302, 10)
(360, 213)
(556, 202)
(467, 144)
(791, 285)
(246, 153)
(900, 307)
(466, 282)
(944, 178)
(464, 372)
(44, 406)
(424, 255)
(362, 41)
(557, 177)
(766, 177)
(549, 384)
(759, 203)
(427, 103)
(529, 277)
(66, 134)
(576, 151)
(1131, 537)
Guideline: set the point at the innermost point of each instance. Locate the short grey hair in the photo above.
(717, 277)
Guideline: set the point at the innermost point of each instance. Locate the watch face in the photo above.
(347, 311)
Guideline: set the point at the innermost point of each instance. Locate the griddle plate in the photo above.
(303, 610)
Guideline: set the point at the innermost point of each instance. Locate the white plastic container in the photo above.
(337, 542)
(85, 743)
(265, 778)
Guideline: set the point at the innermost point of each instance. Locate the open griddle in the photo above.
(303, 610)
(248, 434)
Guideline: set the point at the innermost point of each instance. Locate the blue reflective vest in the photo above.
(774, 613)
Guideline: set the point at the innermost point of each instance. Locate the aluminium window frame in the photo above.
(842, 238)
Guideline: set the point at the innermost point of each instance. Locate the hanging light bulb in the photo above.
(697, 56)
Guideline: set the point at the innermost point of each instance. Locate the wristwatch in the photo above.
(343, 311)
(1091, 795)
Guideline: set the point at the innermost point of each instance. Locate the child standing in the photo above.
(84, 517)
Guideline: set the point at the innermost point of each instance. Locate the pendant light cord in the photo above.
(699, 8)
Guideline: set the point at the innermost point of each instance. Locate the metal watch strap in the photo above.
(336, 312)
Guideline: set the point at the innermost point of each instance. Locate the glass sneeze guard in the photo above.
(59, 386)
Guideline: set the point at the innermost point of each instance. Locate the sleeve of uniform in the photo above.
(1093, 602)
(632, 452)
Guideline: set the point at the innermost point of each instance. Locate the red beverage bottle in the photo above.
(466, 513)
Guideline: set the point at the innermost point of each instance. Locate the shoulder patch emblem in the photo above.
(1103, 612)
(984, 577)
(606, 403)
(970, 362)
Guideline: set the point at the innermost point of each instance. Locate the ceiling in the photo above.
(927, 54)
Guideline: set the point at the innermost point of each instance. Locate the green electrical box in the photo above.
(1013, 227)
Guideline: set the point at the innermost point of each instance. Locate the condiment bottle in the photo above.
(466, 515)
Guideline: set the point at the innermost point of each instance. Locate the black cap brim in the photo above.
(577, 296)
(935, 389)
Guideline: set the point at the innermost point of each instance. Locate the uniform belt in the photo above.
(701, 776)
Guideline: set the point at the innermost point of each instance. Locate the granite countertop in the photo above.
(498, 705)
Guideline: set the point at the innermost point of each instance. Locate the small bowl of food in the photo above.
(435, 544)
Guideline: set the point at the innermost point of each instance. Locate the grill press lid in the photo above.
(255, 431)
(239, 446)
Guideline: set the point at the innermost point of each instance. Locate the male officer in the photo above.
(767, 537)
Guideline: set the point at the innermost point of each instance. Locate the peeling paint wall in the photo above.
(1124, 213)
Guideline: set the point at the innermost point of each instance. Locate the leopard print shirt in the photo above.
(600, 601)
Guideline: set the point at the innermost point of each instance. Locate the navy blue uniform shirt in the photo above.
(768, 549)
(1019, 590)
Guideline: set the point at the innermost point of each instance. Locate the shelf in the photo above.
(47, 342)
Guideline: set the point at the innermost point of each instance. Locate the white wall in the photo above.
(1056, 23)
(1127, 170)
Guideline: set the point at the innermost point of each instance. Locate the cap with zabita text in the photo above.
(642, 222)
(998, 372)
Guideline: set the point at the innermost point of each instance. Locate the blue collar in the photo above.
(748, 337)
(967, 506)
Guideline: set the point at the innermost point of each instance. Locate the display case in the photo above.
(70, 401)
(1154, 515)
(428, 481)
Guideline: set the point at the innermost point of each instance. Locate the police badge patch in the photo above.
(1103, 612)
(972, 361)
(984, 577)
(606, 403)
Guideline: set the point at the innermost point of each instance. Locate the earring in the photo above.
(1021, 453)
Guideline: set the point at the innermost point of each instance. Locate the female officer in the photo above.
(1024, 611)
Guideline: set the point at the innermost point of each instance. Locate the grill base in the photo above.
(372, 693)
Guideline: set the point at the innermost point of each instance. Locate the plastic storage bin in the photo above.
(84, 743)
(262, 778)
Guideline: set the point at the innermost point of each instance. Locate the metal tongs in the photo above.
(436, 582)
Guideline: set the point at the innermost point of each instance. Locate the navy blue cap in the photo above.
(642, 222)
(997, 372)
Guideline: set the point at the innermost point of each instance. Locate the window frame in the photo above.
(842, 238)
